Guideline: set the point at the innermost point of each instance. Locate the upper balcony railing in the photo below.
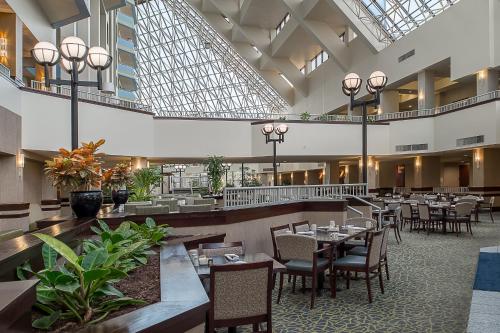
(5, 72)
(268, 195)
(91, 96)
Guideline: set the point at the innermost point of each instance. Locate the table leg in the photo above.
(444, 220)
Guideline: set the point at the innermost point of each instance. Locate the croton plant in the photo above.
(117, 177)
(78, 169)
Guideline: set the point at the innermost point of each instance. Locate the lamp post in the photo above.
(180, 168)
(280, 131)
(75, 56)
(351, 85)
(226, 167)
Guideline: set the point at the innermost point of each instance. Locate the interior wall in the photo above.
(457, 93)
(450, 175)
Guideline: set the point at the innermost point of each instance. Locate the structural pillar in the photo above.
(427, 172)
(389, 101)
(331, 173)
(373, 174)
(426, 90)
(139, 163)
(486, 81)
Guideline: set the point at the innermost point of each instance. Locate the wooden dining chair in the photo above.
(408, 216)
(461, 214)
(303, 259)
(393, 220)
(241, 294)
(488, 207)
(301, 226)
(278, 230)
(220, 249)
(363, 251)
(358, 222)
(426, 218)
(366, 264)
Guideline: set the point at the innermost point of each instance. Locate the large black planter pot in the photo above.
(86, 203)
(120, 197)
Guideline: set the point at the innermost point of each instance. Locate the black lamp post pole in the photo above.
(242, 175)
(275, 166)
(74, 83)
(364, 159)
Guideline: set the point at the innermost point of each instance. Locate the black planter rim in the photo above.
(87, 191)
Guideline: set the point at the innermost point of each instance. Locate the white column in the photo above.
(425, 90)
(19, 48)
(389, 101)
(486, 81)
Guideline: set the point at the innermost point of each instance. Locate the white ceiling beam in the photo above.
(261, 40)
(368, 33)
(280, 39)
(321, 32)
(258, 61)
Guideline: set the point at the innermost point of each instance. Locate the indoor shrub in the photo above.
(215, 171)
(143, 183)
(305, 116)
(117, 177)
(77, 170)
(82, 288)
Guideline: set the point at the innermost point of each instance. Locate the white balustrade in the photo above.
(266, 195)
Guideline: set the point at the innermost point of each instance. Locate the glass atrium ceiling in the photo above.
(186, 69)
(397, 18)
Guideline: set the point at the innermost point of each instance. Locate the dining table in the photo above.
(203, 271)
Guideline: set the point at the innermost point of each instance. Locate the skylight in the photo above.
(398, 17)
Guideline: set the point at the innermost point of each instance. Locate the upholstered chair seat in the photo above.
(351, 261)
(358, 251)
(304, 265)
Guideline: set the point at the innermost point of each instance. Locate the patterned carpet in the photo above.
(429, 291)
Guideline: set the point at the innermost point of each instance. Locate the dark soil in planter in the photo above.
(143, 283)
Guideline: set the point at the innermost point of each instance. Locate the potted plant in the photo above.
(79, 171)
(305, 116)
(117, 179)
(144, 182)
(215, 170)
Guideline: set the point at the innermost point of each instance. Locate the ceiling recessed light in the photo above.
(286, 80)
(410, 106)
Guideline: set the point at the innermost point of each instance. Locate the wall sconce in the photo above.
(482, 74)
(420, 95)
(376, 166)
(20, 160)
(3, 47)
(370, 162)
(346, 169)
(477, 158)
(418, 162)
(147, 164)
(360, 162)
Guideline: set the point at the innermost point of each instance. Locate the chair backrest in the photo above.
(275, 231)
(296, 247)
(406, 211)
(424, 212)
(240, 293)
(385, 238)
(492, 201)
(469, 196)
(360, 221)
(220, 249)
(301, 226)
(463, 209)
(375, 239)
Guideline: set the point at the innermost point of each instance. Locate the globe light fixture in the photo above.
(73, 48)
(351, 86)
(45, 53)
(267, 129)
(73, 55)
(68, 65)
(280, 131)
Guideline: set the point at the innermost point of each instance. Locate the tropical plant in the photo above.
(215, 171)
(79, 169)
(116, 240)
(323, 117)
(150, 231)
(82, 288)
(117, 177)
(143, 183)
(305, 116)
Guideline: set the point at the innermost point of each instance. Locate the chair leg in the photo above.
(470, 228)
(294, 279)
(386, 268)
(348, 280)
(303, 284)
(313, 291)
(380, 280)
(396, 233)
(255, 327)
(368, 287)
(274, 280)
(399, 235)
(333, 282)
(491, 215)
(280, 289)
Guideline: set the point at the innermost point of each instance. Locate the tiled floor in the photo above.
(430, 290)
